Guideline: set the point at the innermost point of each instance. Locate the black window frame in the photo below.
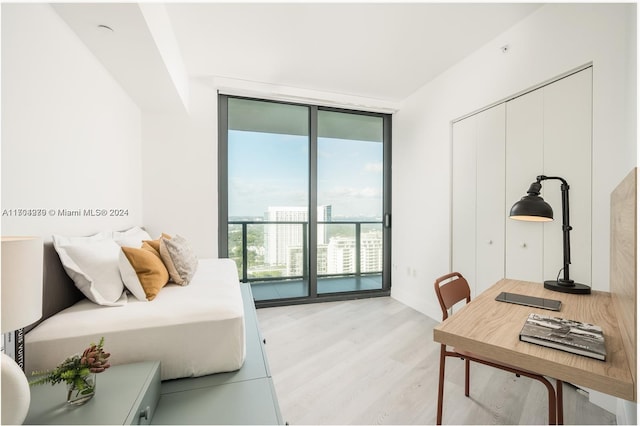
(223, 217)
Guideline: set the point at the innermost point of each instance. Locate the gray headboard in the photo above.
(58, 290)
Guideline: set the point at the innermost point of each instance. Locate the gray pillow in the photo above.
(179, 259)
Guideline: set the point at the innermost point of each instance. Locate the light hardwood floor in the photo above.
(373, 361)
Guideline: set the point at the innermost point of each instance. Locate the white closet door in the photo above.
(497, 155)
(490, 198)
(463, 256)
(567, 153)
(478, 198)
(524, 161)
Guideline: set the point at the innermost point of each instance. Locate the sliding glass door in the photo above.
(350, 197)
(303, 203)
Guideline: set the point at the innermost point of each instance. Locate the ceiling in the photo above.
(378, 50)
(383, 51)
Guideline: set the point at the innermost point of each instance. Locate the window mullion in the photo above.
(313, 201)
(223, 178)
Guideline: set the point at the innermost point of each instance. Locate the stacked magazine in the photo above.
(567, 335)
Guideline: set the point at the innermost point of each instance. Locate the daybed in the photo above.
(193, 330)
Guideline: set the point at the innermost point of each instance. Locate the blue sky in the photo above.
(267, 169)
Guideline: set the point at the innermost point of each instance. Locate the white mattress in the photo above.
(193, 330)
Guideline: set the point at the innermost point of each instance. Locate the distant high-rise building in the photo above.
(321, 254)
(371, 251)
(280, 237)
(295, 261)
(341, 255)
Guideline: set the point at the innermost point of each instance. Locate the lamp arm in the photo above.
(566, 228)
(543, 177)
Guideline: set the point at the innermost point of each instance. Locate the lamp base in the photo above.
(572, 288)
(15, 392)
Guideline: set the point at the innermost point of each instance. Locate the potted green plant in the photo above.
(78, 372)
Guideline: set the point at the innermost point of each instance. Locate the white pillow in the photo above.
(131, 238)
(130, 277)
(92, 264)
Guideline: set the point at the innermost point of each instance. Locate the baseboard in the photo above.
(626, 412)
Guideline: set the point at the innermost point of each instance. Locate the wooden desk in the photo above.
(491, 329)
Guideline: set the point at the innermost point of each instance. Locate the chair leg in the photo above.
(441, 385)
(552, 403)
(559, 403)
(467, 364)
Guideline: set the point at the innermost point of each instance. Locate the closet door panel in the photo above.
(524, 161)
(497, 154)
(567, 153)
(463, 258)
(490, 198)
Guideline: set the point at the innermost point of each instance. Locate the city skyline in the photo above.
(278, 249)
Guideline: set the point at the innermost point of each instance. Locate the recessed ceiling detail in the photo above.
(105, 28)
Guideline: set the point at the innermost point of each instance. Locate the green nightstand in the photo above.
(126, 394)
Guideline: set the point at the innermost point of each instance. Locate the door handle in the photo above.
(146, 413)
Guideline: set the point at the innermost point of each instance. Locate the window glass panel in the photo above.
(350, 183)
(339, 125)
(268, 117)
(268, 185)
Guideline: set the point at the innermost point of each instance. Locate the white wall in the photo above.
(553, 40)
(70, 134)
(180, 177)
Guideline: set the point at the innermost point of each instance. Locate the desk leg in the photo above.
(559, 403)
(467, 372)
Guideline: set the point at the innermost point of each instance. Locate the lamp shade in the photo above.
(531, 208)
(21, 285)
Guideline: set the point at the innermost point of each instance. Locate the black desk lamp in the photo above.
(533, 208)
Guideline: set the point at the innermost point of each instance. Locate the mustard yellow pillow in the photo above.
(143, 272)
(151, 246)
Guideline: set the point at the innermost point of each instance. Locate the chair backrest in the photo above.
(451, 289)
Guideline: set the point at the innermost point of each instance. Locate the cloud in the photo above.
(352, 193)
(251, 198)
(374, 167)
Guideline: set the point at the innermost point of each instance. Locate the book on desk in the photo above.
(564, 334)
